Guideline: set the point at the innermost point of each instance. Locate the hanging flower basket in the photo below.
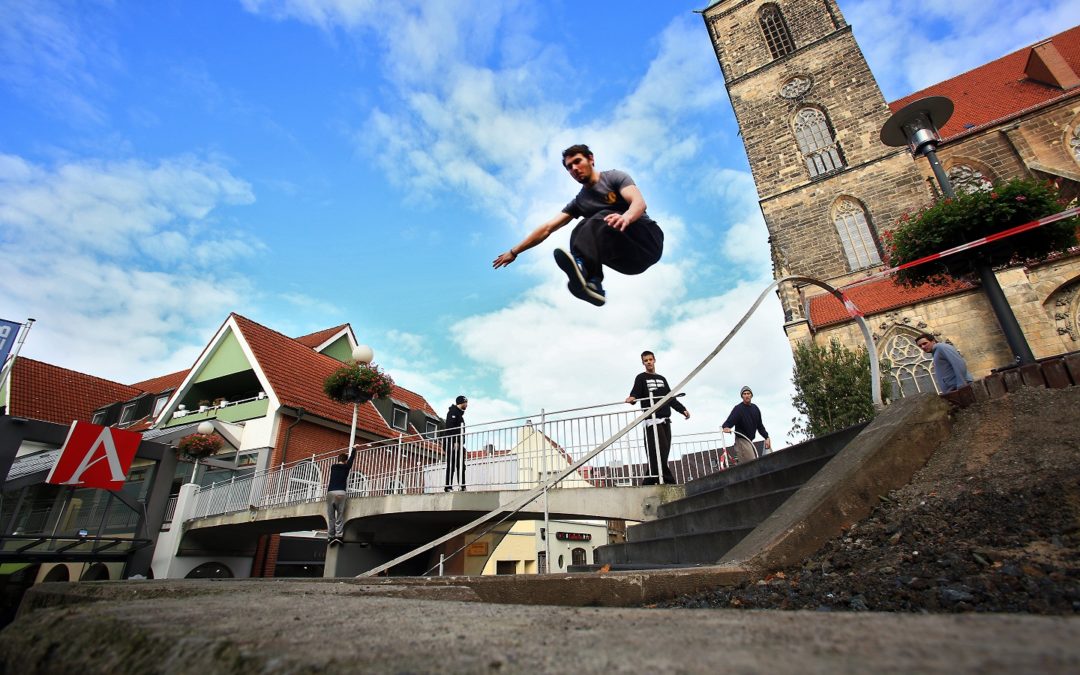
(199, 445)
(971, 216)
(357, 383)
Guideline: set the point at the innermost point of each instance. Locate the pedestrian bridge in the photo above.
(396, 489)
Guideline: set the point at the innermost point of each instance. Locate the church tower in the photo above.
(810, 112)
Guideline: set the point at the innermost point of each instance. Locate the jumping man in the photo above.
(615, 232)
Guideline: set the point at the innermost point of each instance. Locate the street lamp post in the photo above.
(360, 354)
(916, 126)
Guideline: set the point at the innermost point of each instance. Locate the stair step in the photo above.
(823, 446)
(703, 548)
(747, 512)
(777, 479)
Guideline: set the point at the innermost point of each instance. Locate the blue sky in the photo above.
(313, 162)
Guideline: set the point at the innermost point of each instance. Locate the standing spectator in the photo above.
(335, 496)
(950, 370)
(745, 419)
(454, 442)
(650, 387)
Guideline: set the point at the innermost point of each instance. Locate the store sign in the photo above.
(9, 330)
(95, 456)
(573, 536)
(477, 548)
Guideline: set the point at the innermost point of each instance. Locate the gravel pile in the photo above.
(990, 524)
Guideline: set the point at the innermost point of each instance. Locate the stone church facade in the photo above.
(810, 114)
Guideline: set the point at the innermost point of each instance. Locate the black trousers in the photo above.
(455, 460)
(630, 252)
(658, 437)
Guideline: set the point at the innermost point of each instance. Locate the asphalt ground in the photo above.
(339, 626)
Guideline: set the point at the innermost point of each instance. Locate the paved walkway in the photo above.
(337, 626)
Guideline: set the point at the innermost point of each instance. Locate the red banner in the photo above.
(95, 456)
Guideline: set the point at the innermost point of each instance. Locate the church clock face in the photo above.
(795, 87)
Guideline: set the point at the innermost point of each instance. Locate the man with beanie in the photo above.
(650, 387)
(745, 419)
(454, 442)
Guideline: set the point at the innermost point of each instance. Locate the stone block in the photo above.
(1012, 378)
(1031, 375)
(1055, 374)
(978, 387)
(1072, 365)
(995, 385)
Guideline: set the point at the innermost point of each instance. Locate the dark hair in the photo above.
(926, 336)
(647, 353)
(342, 458)
(579, 149)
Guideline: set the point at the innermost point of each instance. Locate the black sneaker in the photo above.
(590, 291)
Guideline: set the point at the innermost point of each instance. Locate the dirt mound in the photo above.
(990, 524)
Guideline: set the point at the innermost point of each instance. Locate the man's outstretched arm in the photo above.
(535, 237)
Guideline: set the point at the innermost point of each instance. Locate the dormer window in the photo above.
(431, 428)
(99, 417)
(127, 413)
(400, 419)
(159, 404)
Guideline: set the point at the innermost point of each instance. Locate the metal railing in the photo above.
(515, 454)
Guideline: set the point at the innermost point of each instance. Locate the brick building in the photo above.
(810, 114)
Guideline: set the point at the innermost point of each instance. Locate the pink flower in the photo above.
(1021, 198)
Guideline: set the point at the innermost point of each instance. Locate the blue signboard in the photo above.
(9, 330)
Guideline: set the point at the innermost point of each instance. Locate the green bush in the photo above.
(832, 388)
(971, 216)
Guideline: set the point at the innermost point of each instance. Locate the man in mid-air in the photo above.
(615, 232)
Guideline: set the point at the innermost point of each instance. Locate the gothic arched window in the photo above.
(775, 29)
(912, 369)
(1074, 143)
(852, 226)
(968, 179)
(816, 142)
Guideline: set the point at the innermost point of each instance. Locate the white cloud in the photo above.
(913, 45)
(127, 257)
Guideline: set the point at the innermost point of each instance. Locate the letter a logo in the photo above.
(95, 456)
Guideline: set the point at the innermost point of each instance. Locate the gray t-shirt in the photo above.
(604, 196)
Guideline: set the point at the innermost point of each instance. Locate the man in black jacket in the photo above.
(335, 496)
(454, 442)
(650, 387)
(745, 418)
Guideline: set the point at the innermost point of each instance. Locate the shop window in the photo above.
(579, 557)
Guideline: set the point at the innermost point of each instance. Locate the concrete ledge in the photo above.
(882, 458)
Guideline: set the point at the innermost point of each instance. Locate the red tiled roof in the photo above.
(998, 90)
(413, 400)
(875, 297)
(315, 339)
(42, 391)
(156, 385)
(296, 374)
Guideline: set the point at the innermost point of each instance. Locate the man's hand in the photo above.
(618, 221)
(686, 414)
(726, 430)
(504, 259)
(768, 444)
(631, 400)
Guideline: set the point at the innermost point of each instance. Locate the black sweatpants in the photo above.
(630, 252)
(455, 461)
(658, 434)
